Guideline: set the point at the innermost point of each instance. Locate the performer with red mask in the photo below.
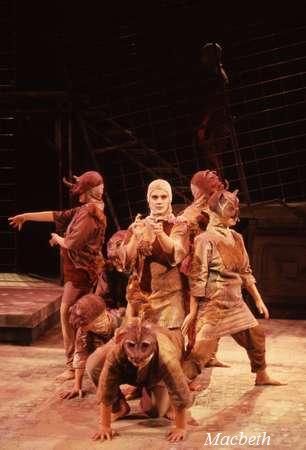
(80, 235)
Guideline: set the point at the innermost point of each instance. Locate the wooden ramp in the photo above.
(28, 307)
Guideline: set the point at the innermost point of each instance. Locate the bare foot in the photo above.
(195, 385)
(127, 389)
(263, 379)
(68, 374)
(123, 410)
(145, 402)
(132, 393)
(170, 414)
(214, 362)
(191, 420)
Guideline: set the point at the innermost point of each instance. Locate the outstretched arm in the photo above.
(20, 219)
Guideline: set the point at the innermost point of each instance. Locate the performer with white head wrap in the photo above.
(151, 251)
(154, 248)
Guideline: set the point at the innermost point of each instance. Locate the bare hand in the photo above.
(137, 227)
(54, 241)
(17, 221)
(186, 324)
(263, 309)
(68, 394)
(177, 434)
(104, 433)
(157, 228)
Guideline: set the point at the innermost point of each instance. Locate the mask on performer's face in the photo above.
(113, 247)
(138, 343)
(226, 205)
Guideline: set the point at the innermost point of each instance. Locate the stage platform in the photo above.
(28, 307)
(32, 417)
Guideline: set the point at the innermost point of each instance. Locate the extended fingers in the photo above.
(65, 394)
(96, 436)
(174, 436)
(105, 435)
(184, 329)
(15, 222)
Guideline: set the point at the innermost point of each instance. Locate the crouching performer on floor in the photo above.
(219, 269)
(95, 326)
(147, 356)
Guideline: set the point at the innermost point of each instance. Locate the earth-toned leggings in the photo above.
(70, 295)
(252, 339)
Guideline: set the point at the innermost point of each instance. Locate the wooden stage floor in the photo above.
(28, 307)
(32, 417)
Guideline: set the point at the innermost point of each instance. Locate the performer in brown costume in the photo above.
(113, 279)
(80, 234)
(142, 355)
(203, 185)
(154, 248)
(95, 325)
(219, 269)
(152, 251)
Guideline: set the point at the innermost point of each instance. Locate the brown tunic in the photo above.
(220, 268)
(164, 366)
(160, 277)
(83, 229)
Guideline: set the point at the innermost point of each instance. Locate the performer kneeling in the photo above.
(95, 326)
(141, 354)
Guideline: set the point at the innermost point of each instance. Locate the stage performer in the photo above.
(219, 269)
(80, 235)
(95, 326)
(152, 251)
(147, 356)
(203, 185)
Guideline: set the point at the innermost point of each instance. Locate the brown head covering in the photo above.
(86, 310)
(207, 182)
(224, 204)
(86, 182)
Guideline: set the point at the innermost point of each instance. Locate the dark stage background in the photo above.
(121, 87)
